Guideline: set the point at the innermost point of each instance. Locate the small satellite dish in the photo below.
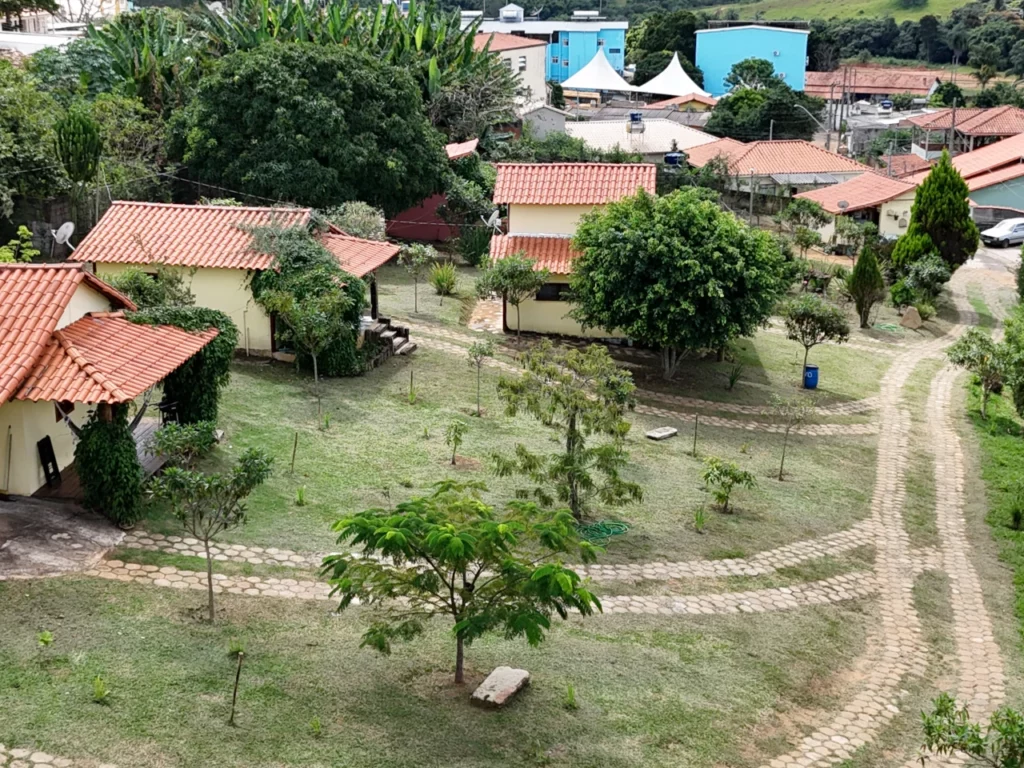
(63, 234)
(493, 221)
(843, 205)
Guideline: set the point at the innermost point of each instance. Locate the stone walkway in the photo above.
(31, 758)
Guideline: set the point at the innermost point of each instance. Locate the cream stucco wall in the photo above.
(22, 425)
(545, 219)
(83, 301)
(891, 214)
(551, 317)
(226, 290)
(529, 66)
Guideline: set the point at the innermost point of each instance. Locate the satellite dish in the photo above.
(493, 221)
(63, 234)
(843, 205)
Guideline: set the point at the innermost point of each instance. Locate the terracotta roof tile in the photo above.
(183, 235)
(769, 157)
(571, 183)
(864, 191)
(502, 41)
(679, 101)
(104, 358)
(555, 254)
(32, 299)
(1009, 151)
(1006, 173)
(872, 80)
(996, 121)
(356, 256)
(906, 165)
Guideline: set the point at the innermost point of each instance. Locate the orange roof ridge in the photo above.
(206, 206)
(571, 183)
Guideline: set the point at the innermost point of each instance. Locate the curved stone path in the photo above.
(32, 758)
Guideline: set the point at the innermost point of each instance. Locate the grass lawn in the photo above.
(827, 9)
(398, 299)
(379, 449)
(652, 691)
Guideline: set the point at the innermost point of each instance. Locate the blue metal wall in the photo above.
(575, 49)
(718, 50)
(1009, 194)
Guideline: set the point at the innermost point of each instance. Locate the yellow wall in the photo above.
(887, 225)
(226, 290)
(27, 423)
(550, 317)
(83, 301)
(545, 219)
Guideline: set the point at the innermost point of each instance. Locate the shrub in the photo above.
(927, 275)
(866, 285)
(444, 278)
(182, 444)
(901, 295)
(925, 309)
(721, 477)
(108, 467)
(358, 219)
(474, 245)
(165, 288)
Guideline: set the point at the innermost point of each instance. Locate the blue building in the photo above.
(571, 44)
(721, 47)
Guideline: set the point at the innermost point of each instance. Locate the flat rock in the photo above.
(500, 686)
(911, 319)
(662, 433)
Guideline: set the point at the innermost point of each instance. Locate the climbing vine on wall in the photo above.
(108, 466)
(195, 386)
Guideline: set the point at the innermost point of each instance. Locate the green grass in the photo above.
(827, 9)
(375, 454)
(653, 691)
(397, 300)
(919, 505)
(1001, 438)
(977, 301)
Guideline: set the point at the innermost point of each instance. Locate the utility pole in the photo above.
(891, 145)
(830, 118)
(952, 131)
(771, 129)
(751, 196)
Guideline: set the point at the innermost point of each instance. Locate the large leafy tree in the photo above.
(514, 278)
(450, 554)
(28, 162)
(675, 272)
(942, 213)
(83, 67)
(314, 125)
(582, 395)
(671, 32)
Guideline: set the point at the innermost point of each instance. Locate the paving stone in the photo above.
(499, 687)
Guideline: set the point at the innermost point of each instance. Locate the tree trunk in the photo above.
(571, 446)
(209, 578)
(803, 381)
(518, 323)
(460, 661)
(720, 355)
(669, 361)
(316, 385)
(984, 402)
(782, 464)
(478, 391)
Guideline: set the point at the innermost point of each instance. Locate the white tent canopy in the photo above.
(672, 81)
(598, 75)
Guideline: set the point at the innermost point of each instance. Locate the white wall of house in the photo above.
(551, 317)
(226, 290)
(22, 425)
(528, 64)
(545, 219)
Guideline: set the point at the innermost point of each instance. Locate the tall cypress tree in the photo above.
(941, 211)
(866, 284)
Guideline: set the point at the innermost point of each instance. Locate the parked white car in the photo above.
(1004, 233)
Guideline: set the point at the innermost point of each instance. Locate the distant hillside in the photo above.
(826, 9)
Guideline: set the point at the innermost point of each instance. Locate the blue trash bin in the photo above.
(810, 377)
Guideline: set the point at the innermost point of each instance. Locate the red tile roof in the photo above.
(678, 101)
(996, 121)
(356, 256)
(570, 183)
(555, 254)
(865, 191)
(872, 80)
(1009, 151)
(906, 165)
(33, 298)
(502, 41)
(1006, 173)
(770, 157)
(461, 149)
(104, 358)
(183, 235)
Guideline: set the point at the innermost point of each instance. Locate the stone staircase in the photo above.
(393, 339)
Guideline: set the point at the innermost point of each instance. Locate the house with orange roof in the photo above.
(212, 247)
(870, 197)
(968, 129)
(545, 203)
(526, 57)
(691, 102)
(66, 348)
(781, 168)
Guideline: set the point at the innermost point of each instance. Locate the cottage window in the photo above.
(522, 63)
(553, 292)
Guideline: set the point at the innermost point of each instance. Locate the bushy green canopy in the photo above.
(315, 125)
(674, 272)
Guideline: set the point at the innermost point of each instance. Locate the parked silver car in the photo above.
(1004, 233)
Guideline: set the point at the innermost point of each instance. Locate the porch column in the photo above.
(373, 296)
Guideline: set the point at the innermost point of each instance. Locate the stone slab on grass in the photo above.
(911, 319)
(499, 687)
(662, 433)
